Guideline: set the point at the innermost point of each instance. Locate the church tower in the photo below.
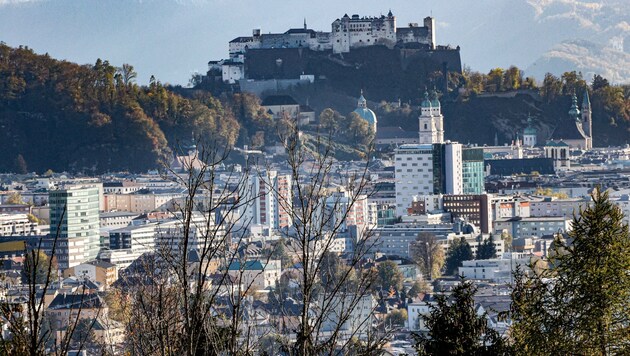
(587, 123)
(431, 121)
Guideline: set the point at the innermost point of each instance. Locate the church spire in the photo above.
(574, 112)
(586, 101)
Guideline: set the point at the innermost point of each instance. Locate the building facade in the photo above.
(475, 209)
(74, 218)
(472, 171)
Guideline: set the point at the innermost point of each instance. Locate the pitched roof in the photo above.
(76, 301)
(248, 266)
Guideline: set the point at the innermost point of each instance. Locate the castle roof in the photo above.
(300, 30)
(242, 39)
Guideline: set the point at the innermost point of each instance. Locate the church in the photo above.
(365, 113)
(577, 129)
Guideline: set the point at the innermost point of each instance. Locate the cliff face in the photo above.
(388, 74)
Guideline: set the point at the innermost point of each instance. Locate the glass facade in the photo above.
(472, 170)
(74, 214)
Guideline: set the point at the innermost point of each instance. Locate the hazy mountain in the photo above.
(173, 38)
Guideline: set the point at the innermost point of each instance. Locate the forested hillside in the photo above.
(94, 118)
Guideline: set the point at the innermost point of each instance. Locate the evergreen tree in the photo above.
(486, 249)
(582, 304)
(455, 328)
(458, 251)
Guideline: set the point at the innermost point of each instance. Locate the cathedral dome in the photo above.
(530, 129)
(365, 113)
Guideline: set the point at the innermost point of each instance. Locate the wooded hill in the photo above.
(94, 118)
(64, 116)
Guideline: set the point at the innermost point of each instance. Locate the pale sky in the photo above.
(172, 39)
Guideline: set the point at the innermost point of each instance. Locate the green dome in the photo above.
(426, 103)
(529, 131)
(434, 99)
(367, 115)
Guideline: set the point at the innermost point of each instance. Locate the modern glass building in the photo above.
(472, 170)
(74, 219)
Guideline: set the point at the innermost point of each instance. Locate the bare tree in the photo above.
(30, 329)
(196, 295)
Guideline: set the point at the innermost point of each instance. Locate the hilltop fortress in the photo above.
(372, 53)
(347, 33)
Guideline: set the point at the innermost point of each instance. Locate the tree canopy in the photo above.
(456, 328)
(458, 251)
(581, 305)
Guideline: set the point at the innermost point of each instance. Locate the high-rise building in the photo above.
(414, 174)
(74, 219)
(447, 168)
(269, 199)
(427, 170)
(472, 170)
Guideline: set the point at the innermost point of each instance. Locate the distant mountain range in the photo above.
(591, 36)
(597, 38)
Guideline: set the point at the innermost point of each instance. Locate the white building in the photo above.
(129, 243)
(415, 312)
(268, 195)
(431, 121)
(497, 270)
(347, 32)
(232, 71)
(256, 274)
(74, 218)
(558, 207)
(623, 202)
(347, 212)
(530, 134)
(451, 164)
(414, 174)
(425, 170)
(348, 314)
(532, 226)
(17, 224)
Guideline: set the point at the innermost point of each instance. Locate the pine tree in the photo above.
(486, 250)
(455, 328)
(458, 251)
(582, 304)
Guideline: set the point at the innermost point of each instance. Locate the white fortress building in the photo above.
(347, 33)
